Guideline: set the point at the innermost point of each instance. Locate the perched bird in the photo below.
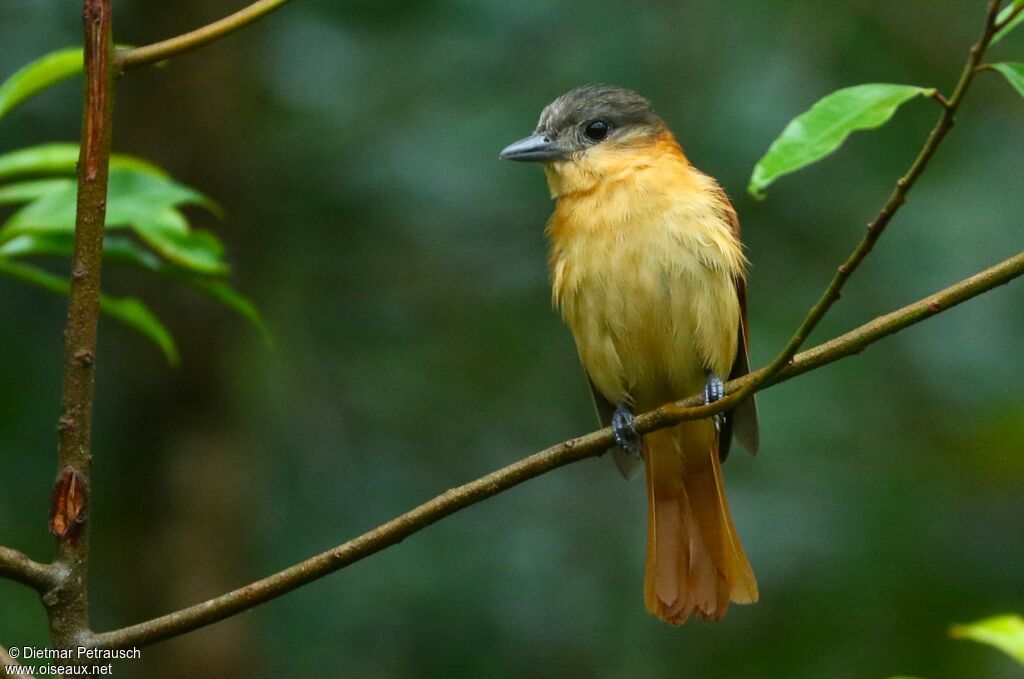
(648, 272)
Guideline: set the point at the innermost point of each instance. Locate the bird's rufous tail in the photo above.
(695, 563)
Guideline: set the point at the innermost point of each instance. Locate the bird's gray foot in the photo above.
(714, 389)
(626, 435)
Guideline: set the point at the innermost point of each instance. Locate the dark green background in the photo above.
(401, 269)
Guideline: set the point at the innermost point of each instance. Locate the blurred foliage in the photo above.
(140, 197)
(402, 268)
(1003, 19)
(1005, 632)
(35, 77)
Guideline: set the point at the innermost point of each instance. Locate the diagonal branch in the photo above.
(16, 566)
(885, 215)
(150, 54)
(590, 445)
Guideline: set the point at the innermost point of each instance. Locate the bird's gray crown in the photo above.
(616, 106)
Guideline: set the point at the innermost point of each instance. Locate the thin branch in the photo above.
(67, 604)
(150, 54)
(885, 215)
(590, 445)
(16, 566)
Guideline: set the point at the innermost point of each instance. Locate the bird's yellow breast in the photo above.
(643, 268)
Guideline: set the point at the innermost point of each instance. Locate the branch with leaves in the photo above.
(114, 192)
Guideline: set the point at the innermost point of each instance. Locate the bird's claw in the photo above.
(714, 389)
(624, 429)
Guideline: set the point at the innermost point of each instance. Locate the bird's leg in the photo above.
(626, 435)
(714, 389)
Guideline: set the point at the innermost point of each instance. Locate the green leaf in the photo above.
(120, 250)
(124, 251)
(1005, 632)
(234, 300)
(133, 313)
(813, 135)
(33, 189)
(127, 310)
(168, 233)
(62, 158)
(38, 75)
(142, 201)
(54, 244)
(1004, 15)
(141, 197)
(1013, 71)
(134, 198)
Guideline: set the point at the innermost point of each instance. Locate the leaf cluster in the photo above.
(146, 226)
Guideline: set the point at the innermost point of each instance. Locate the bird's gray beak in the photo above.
(535, 148)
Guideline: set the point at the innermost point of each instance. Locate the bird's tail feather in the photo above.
(695, 562)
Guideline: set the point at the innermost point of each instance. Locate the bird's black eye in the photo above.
(596, 130)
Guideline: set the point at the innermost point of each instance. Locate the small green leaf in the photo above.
(1005, 632)
(168, 234)
(1004, 15)
(813, 135)
(141, 197)
(38, 75)
(62, 158)
(124, 251)
(234, 300)
(127, 310)
(33, 189)
(139, 200)
(134, 198)
(120, 250)
(133, 313)
(1013, 71)
(54, 244)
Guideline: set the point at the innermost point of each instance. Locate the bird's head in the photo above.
(587, 133)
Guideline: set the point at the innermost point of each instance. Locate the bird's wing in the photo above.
(741, 420)
(627, 464)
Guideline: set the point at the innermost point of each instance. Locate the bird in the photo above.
(649, 273)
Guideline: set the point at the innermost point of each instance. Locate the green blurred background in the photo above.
(401, 269)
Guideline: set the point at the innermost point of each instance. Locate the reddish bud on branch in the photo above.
(68, 505)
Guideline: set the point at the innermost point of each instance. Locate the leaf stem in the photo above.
(150, 54)
(939, 97)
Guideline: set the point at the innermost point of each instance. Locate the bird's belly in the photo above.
(649, 318)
